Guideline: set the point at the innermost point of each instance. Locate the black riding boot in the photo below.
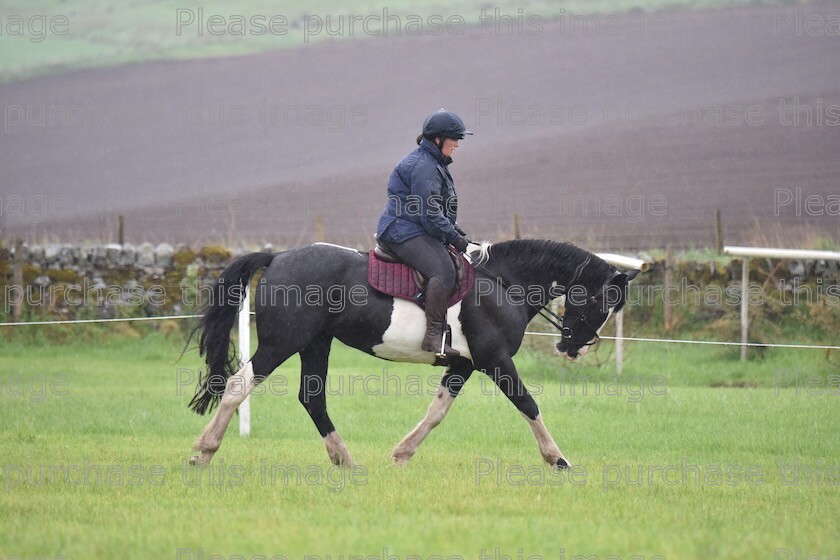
(437, 301)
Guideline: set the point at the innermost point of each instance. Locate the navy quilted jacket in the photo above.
(421, 198)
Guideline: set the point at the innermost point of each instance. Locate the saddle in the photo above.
(389, 275)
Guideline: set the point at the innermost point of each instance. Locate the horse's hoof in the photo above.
(561, 464)
(344, 461)
(200, 459)
(401, 457)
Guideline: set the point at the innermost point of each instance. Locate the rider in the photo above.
(419, 219)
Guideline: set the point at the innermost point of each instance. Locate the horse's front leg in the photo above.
(450, 385)
(504, 375)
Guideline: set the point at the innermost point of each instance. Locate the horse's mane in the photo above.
(552, 256)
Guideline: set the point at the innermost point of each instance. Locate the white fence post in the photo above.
(619, 342)
(745, 321)
(244, 356)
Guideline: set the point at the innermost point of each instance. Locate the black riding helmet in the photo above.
(444, 124)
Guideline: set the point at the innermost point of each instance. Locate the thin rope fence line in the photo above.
(624, 338)
(708, 342)
(115, 320)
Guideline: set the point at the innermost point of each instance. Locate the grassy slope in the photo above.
(102, 32)
(123, 407)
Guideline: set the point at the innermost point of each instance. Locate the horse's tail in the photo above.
(217, 319)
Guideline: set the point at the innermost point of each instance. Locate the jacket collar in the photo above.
(429, 146)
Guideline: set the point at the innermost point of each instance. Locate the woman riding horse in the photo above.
(419, 219)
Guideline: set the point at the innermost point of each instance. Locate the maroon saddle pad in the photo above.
(402, 281)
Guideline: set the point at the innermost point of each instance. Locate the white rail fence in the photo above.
(751, 252)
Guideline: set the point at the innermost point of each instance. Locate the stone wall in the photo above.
(101, 281)
(761, 269)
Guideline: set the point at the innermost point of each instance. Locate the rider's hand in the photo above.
(461, 244)
(462, 233)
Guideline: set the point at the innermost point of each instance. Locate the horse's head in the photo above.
(587, 313)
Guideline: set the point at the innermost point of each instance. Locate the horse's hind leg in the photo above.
(314, 359)
(450, 385)
(238, 387)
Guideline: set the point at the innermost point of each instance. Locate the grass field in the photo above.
(43, 36)
(95, 435)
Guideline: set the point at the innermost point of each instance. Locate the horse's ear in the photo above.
(619, 279)
(623, 278)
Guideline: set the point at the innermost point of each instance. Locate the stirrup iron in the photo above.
(441, 355)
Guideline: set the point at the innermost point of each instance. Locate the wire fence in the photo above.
(531, 333)
(83, 321)
(244, 330)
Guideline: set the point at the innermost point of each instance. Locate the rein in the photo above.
(549, 315)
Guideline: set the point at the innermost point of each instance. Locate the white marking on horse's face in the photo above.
(402, 339)
(609, 314)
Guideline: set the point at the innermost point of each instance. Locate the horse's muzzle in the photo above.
(564, 350)
(571, 354)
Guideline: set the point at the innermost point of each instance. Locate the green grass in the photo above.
(477, 484)
(53, 35)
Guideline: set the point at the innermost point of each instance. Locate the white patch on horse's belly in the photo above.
(402, 338)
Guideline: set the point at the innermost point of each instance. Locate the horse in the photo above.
(295, 314)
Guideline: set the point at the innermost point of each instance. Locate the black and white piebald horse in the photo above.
(296, 315)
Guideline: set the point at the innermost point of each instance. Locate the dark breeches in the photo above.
(428, 255)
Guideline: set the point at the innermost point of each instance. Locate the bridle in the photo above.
(591, 340)
(549, 315)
